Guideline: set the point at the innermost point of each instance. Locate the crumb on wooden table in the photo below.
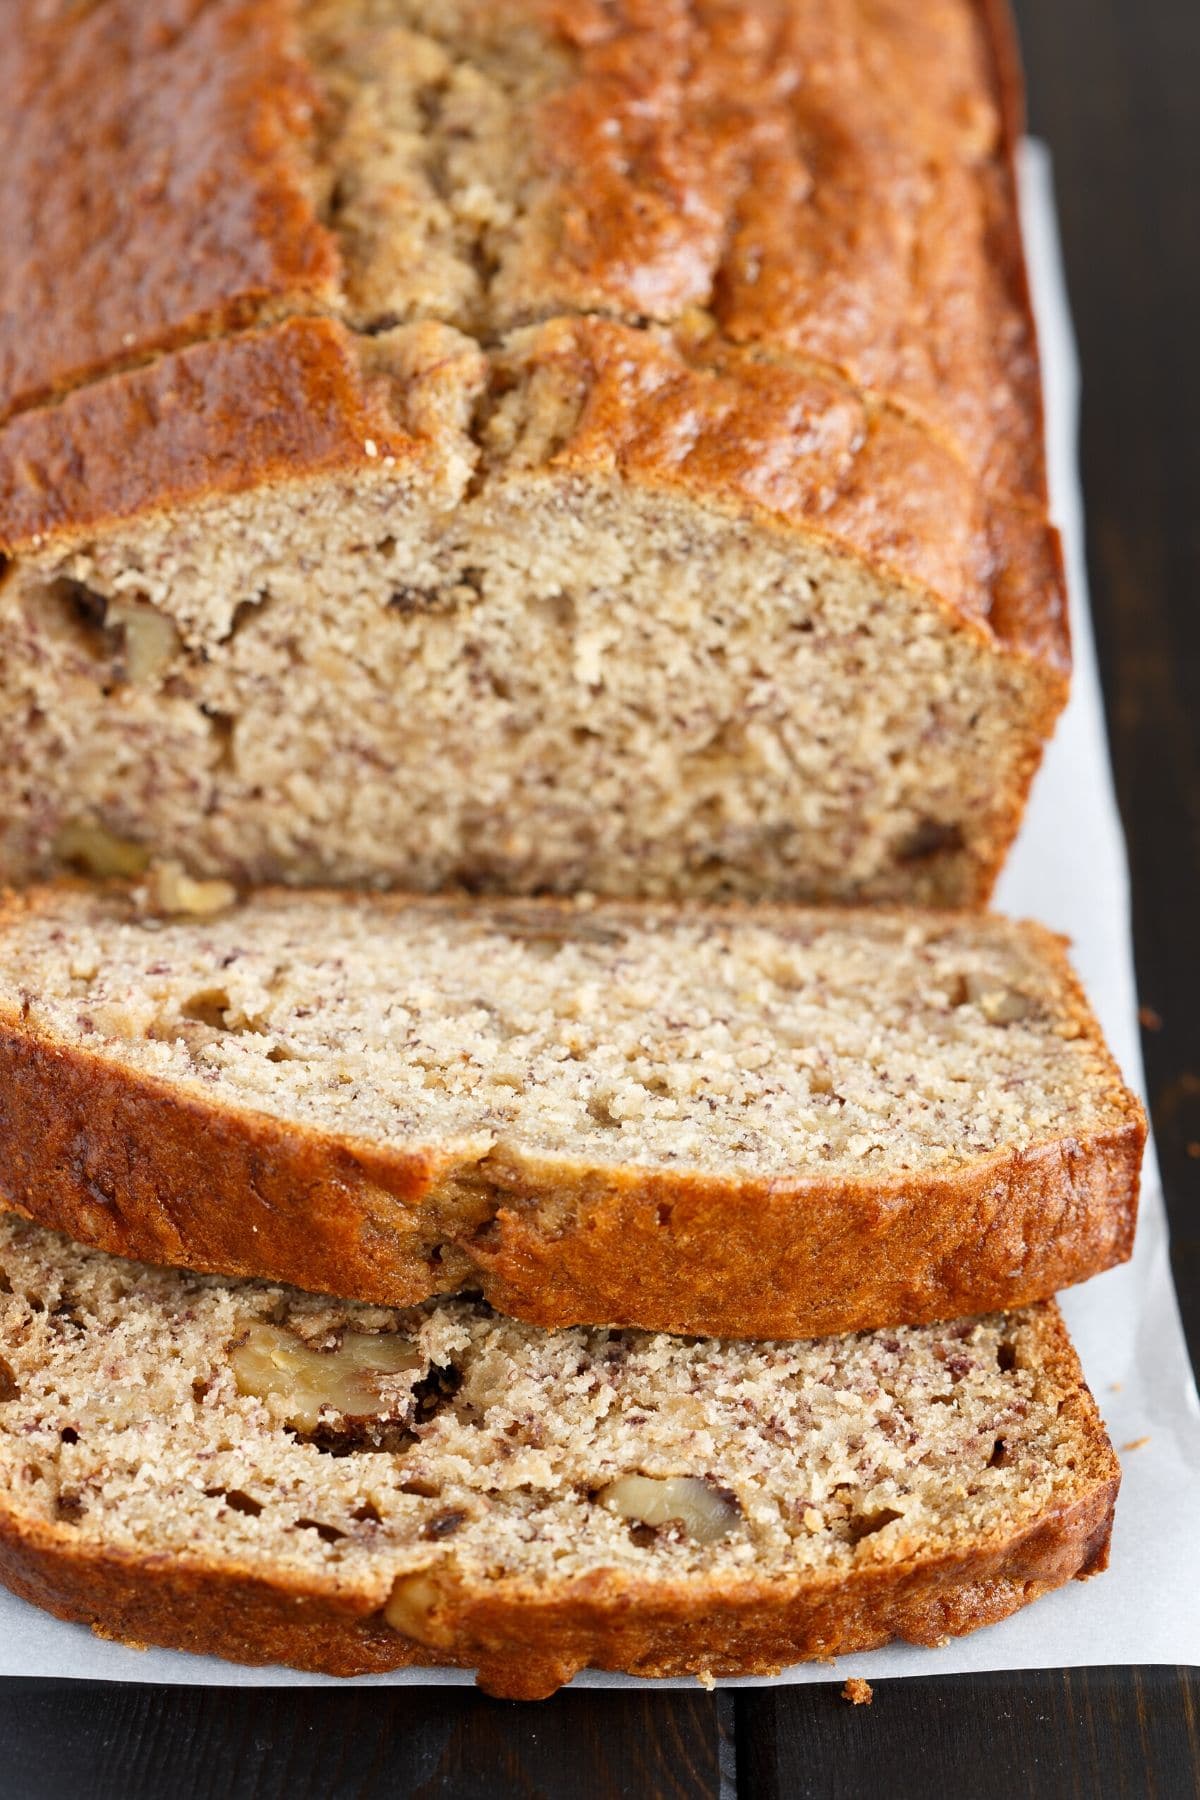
(858, 1692)
(706, 1680)
(1135, 1443)
(1149, 1019)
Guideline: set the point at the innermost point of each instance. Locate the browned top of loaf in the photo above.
(156, 185)
(828, 177)
(796, 217)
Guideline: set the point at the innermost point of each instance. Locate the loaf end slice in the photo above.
(762, 1123)
(251, 1472)
(521, 450)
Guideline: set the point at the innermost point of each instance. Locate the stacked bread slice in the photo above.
(844, 1157)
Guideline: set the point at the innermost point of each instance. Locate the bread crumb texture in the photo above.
(131, 1421)
(738, 1043)
(527, 478)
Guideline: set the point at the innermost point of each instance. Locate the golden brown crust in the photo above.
(797, 446)
(525, 1642)
(792, 447)
(525, 1648)
(156, 183)
(142, 1168)
(832, 180)
(287, 403)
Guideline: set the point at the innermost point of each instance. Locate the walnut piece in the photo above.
(347, 1380)
(150, 639)
(98, 851)
(704, 1512)
(1004, 1006)
(412, 1611)
(169, 890)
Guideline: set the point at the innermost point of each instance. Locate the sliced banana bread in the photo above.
(274, 1477)
(763, 1123)
(520, 445)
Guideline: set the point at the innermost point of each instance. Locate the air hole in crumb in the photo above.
(367, 1514)
(424, 1490)
(68, 1435)
(355, 1436)
(329, 1533)
(5, 1283)
(9, 1388)
(444, 1524)
(207, 1007)
(35, 1303)
(236, 1500)
(69, 1506)
(407, 600)
(1006, 1357)
(999, 1456)
(599, 1110)
(930, 838)
(865, 1525)
(431, 1393)
(83, 611)
(243, 612)
(221, 727)
(278, 1054)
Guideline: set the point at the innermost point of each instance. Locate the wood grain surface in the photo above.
(1113, 88)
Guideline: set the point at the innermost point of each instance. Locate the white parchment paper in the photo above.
(1068, 870)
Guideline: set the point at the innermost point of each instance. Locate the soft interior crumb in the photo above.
(835, 1044)
(493, 1445)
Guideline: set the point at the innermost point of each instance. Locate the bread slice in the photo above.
(518, 447)
(479, 1492)
(760, 1123)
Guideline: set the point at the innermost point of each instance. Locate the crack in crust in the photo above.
(384, 161)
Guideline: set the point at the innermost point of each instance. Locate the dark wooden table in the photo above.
(1114, 87)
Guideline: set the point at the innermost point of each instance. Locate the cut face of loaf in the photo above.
(761, 1122)
(177, 1467)
(573, 455)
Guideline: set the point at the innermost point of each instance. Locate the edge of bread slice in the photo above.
(766, 1122)
(269, 1476)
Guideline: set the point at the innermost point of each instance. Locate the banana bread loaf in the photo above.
(761, 1122)
(528, 447)
(271, 1477)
